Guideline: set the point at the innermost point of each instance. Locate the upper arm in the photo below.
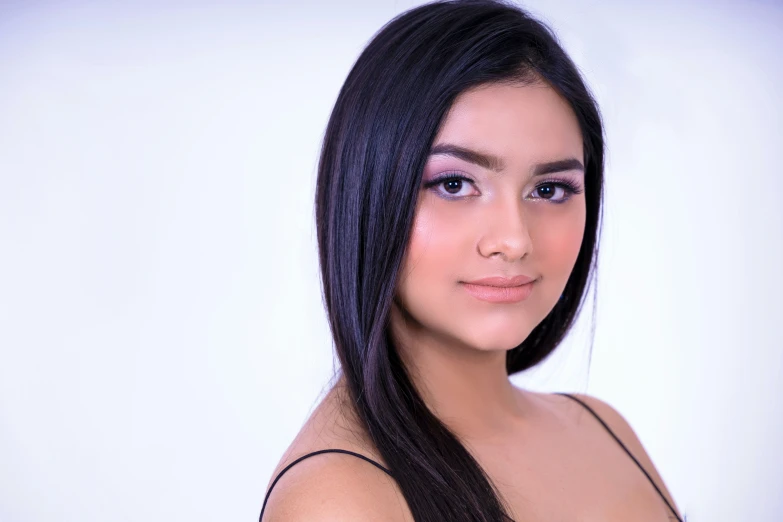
(334, 487)
(622, 429)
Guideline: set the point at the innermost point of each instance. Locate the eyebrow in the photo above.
(495, 163)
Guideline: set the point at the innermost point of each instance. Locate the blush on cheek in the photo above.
(421, 235)
(557, 247)
(570, 243)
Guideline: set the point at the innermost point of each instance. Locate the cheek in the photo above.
(430, 247)
(562, 248)
(557, 242)
(437, 247)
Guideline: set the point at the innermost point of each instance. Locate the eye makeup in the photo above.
(569, 187)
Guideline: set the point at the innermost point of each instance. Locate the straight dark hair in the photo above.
(375, 147)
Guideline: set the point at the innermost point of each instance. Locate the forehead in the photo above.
(522, 123)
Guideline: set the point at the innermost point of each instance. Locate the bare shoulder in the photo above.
(623, 430)
(335, 487)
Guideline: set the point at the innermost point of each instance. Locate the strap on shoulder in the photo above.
(622, 446)
(311, 454)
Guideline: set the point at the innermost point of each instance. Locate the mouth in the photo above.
(502, 281)
(500, 294)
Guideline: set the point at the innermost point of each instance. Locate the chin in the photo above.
(497, 340)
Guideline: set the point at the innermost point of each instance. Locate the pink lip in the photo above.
(502, 281)
(500, 289)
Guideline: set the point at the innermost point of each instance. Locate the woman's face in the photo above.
(502, 195)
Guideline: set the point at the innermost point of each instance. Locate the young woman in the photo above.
(458, 206)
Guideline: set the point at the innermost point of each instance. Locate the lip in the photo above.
(500, 289)
(502, 282)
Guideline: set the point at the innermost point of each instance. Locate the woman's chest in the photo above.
(559, 478)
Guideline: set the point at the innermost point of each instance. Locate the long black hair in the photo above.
(384, 121)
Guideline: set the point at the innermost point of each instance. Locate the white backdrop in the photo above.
(162, 337)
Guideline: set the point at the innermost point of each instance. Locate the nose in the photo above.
(505, 233)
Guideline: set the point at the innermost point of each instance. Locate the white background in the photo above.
(162, 337)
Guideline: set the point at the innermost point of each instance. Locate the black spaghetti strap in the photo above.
(626, 450)
(263, 507)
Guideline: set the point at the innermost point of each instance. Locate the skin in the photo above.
(549, 458)
(498, 225)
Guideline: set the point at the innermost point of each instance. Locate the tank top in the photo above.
(382, 468)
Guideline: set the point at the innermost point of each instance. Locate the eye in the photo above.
(452, 186)
(556, 191)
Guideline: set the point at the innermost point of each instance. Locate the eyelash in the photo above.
(569, 186)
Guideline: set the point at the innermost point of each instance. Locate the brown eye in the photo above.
(546, 191)
(558, 191)
(453, 186)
